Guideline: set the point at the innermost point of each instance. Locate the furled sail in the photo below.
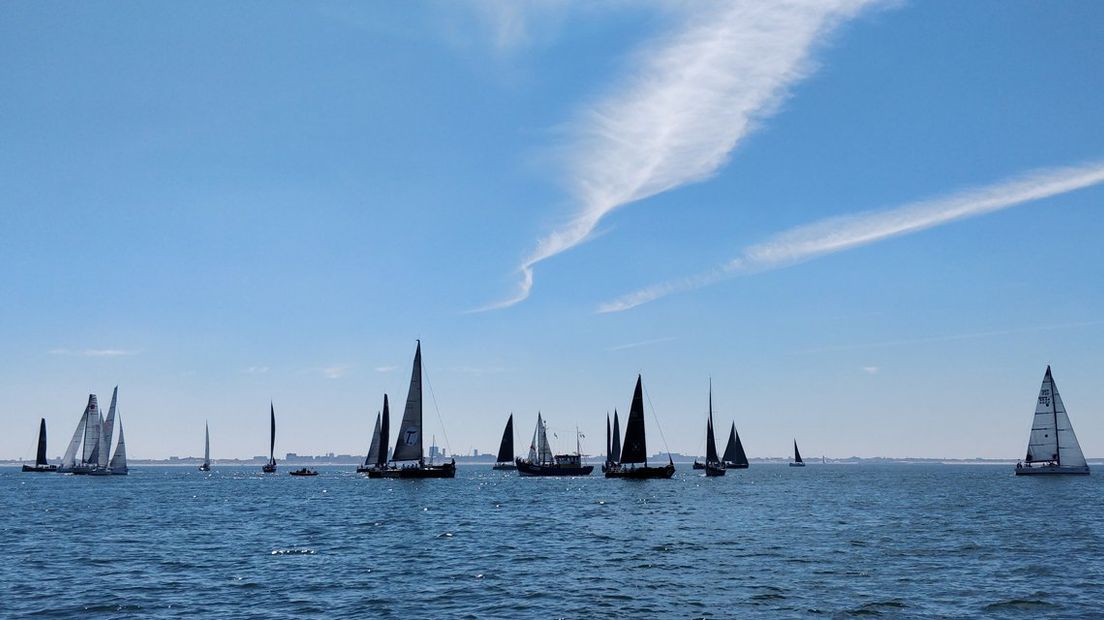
(206, 445)
(374, 447)
(636, 447)
(40, 455)
(106, 431)
(385, 437)
(734, 451)
(69, 459)
(797, 455)
(118, 463)
(506, 446)
(1052, 437)
(615, 444)
(408, 443)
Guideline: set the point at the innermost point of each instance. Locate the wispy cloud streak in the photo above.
(836, 234)
(693, 97)
(642, 343)
(93, 352)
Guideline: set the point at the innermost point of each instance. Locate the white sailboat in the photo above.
(206, 466)
(1052, 447)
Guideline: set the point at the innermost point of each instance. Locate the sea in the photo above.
(824, 541)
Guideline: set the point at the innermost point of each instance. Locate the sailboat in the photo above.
(712, 465)
(408, 458)
(206, 466)
(632, 462)
(542, 462)
(1052, 447)
(41, 464)
(89, 440)
(117, 466)
(734, 457)
(377, 450)
(613, 445)
(505, 459)
(69, 462)
(797, 462)
(270, 466)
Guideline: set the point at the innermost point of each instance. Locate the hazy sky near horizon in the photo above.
(872, 224)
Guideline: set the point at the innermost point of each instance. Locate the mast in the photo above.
(40, 457)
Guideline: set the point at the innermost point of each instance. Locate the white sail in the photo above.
(92, 422)
(374, 447)
(118, 463)
(533, 442)
(408, 443)
(544, 451)
(1069, 451)
(69, 460)
(206, 445)
(106, 430)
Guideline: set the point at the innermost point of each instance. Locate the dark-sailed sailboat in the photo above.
(505, 458)
(797, 462)
(377, 451)
(613, 446)
(270, 466)
(41, 464)
(408, 459)
(542, 462)
(734, 457)
(712, 465)
(632, 462)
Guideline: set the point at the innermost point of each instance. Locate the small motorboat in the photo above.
(303, 472)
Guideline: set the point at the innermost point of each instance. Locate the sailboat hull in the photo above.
(699, 465)
(504, 466)
(269, 469)
(1051, 470)
(204, 468)
(736, 465)
(40, 468)
(447, 470)
(797, 464)
(640, 473)
(712, 471)
(536, 469)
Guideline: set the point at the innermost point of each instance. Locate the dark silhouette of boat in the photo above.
(633, 461)
(377, 451)
(542, 462)
(408, 458)
(505, 458)
(41, 464)
(613, 446)
(734, 457)
(270, 466)
(303, 472)
(713, 465)
(797, 462)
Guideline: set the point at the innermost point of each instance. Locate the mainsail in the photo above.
(734, 451)
(615, 444)
(374, 447)
(118, 463)
(797, 455)
(544, 451)
(272, 435)
(106, 431)
(408, 444)
(636, 447)
(506, 446)
(69, 459)
(385, 437)
(609, 451)
(40, 456)
(1052, 437)
(91, 453)
(710, 442)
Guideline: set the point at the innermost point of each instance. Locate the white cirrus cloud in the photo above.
(836, 234)
(93, 352)
(335, 372)
(691, 98)
(385, 368)
(871, 370)
(642, 343)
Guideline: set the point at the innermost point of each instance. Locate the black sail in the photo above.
(797, 455)
(272, 438)
(710, 442)
(636, 446)
(734, 451)
(506, 446)
(385, 430)
(609, 453)
(40, 459)
(615, 445)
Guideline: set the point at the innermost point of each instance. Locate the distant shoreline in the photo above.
(469, 461)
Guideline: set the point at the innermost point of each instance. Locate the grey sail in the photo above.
(118, 463)
(544, 451)
(107, 431)
(90, 455)
(206, 445)
(408, 443)
(374, 447)
(69, 459)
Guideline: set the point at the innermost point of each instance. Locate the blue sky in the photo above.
(872, 224)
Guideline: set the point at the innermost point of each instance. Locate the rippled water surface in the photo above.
(895, 541)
